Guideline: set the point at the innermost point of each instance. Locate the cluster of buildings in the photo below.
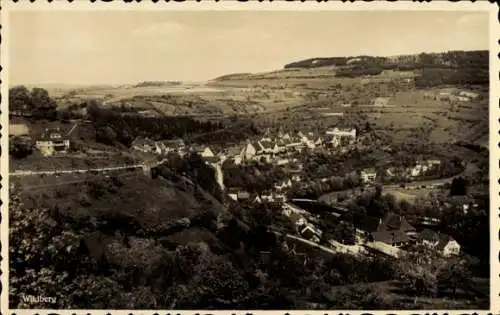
(278, 149)
(285, 144)
(453, 96)
(389, 235)
(420, 168)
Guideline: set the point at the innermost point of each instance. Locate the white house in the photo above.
(462, 98)
(248, 152)
(281, 161)
(350, 133)
(284, 184)
(206, 152)
(368, 175)
(311, 233)
(448, 246)
(470, 95)
(381, 101)
(51, 143)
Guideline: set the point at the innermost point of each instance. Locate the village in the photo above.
(388, 236)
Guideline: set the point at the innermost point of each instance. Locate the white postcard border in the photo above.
(265, 6)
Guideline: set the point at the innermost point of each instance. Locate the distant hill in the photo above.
(450, 59)
(158, 83)
(232, 76)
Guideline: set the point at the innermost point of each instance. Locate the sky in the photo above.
(123, 47)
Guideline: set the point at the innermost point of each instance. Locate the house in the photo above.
(381, 101)
(281, 161)
(393, 229)
(294, 144)
(267, 197)
(443, 243)
(368, 175)
(282, 145)
(249, 151)
(331, 141)
(233, 154)
(284, 136)
(143, 145)
(205, 152)
(257, 199)
(267, 136)
(422, 167)
(311, 233)
(396, 222)
(444, 96)
(345, 132)
(233, 193)
(433, 162)
(297, 220)
(268, 147)
(447, 246)
(470, 95)
(243, 195)
(280, 197)
(428, 238)
(52, 142)
(296, 178)
(165, 147)
(418, 170)
(18, 130)
(462, 98)
(283, 185)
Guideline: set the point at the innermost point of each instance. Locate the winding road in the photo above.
(98, 169)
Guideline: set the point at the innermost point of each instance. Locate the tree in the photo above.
(418, 271)
(454, 275)
(43, 105)
(345, 233)
(20, 148)
(19, 99)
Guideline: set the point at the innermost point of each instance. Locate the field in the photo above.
(310, 98)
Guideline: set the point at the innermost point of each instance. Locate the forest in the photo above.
(113, 127)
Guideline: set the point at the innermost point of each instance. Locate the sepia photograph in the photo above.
(248, 160)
